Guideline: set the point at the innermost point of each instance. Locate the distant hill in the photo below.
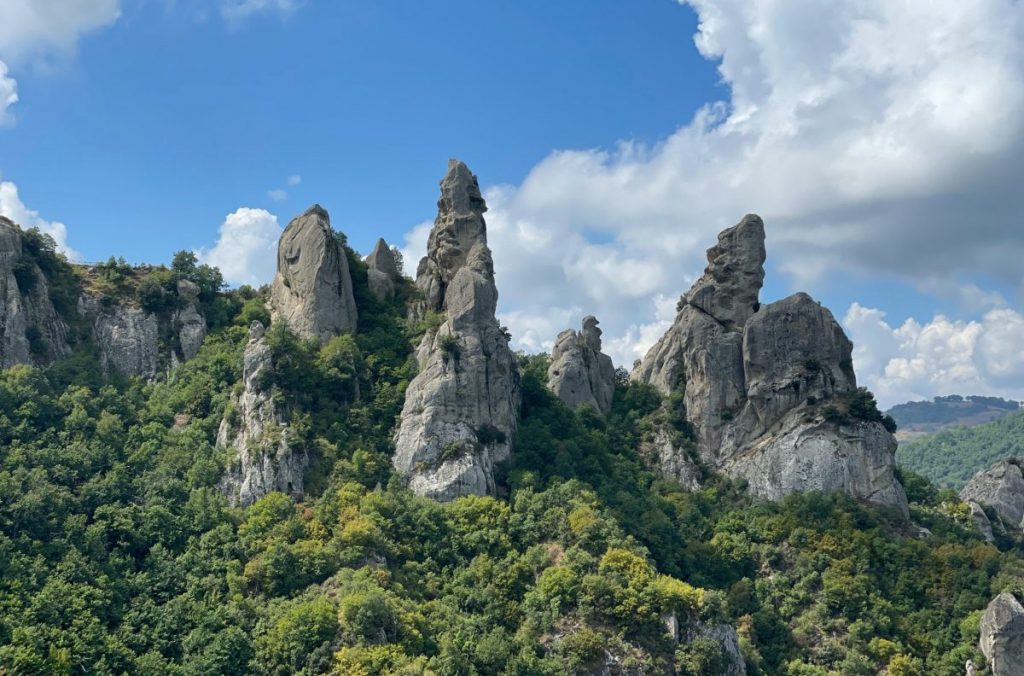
(953, 456)
(919, 418)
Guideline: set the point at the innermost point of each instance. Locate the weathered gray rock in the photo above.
(1002, 636)
(1000, 487)
(580, 374)
(189, 324)
(128, 338)
(730, 285)
(31, 330)
(460, 410)
(725, 635)
(382, 271)
(312, 290)
(674, 460)
(755, 379)
(266, 457)
(981, 521)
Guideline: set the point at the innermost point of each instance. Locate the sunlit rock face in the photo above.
(758, 381)
(580, 374)
(460, 410)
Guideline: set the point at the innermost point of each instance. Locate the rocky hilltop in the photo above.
(769, 390)
(461, 408)
(1002, 636)
(312, 290)
(580, 374)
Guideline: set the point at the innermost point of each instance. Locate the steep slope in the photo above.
(951, 458)
(461, 408)
(769, 391)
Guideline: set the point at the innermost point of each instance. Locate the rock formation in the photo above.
(579, 373)
(757, 383)
(1000, 487)
(1002, 636)
(460, 410)
(189, 324)
(382, 271)
(981, 521)
(256, 428)
(31, 330)
(128, 338)
(312, 290)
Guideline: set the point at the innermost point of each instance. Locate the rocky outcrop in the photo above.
(981, 521)
(382, 271)
(31, 330)
(580, 374)
(460, 410)
(128, 338)
(255, 427)
(189, 324)
(765, 387)
(1002, 636)
(312, 290)
(1000, 487)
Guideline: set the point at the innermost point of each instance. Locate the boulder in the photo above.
(31, 329)
(382, 271)
(1002, 636)
(460, 410)
(265, 456)
(981, 521)
(580, 374)
(755, 381)
(312, 290)
(1000, 487)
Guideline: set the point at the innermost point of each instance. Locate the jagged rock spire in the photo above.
(460, 410)
(312, 290)
(729, 288)
(382, 270)
(579, 373)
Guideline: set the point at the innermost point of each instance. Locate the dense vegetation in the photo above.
(118, 554)
(952, 457)
(950, 409)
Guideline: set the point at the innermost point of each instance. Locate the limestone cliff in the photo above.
(460, 410)
(382, 271)
(766, 387)
(265, 458)
(31, 329)
(1002, 636)
(312, 290)
(580, 374)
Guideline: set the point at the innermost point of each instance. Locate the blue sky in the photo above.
(614, 139)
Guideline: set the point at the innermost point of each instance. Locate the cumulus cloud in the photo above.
(32, 27)
(919, 361)
(8, 95)
(246, 251)
(237, 10)
(13, 208)
(281, 194)
(874, 137)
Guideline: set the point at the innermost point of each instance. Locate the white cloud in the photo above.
(277, 194)
(13, 208)
(246, 251)
(237, 10)
(876, 138)
(8, 95)
(31, 27)
(919, 361)
(293, 180)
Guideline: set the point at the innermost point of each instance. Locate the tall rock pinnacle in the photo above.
(312, 290)
(382, 270)
(461, 408)
(580, 374)
(767, 388)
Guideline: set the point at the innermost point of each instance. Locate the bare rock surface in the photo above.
(580, 374)
(31, 330)
(1000, 487)
(460, 410)
(1002, 636)
(189, 324)
(128, 337)
(265, 458)
(382, 271)
(312, 290)
(755, 381)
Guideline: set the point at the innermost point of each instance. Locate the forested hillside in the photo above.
(951, 458)
(119, 552)
(917, 418)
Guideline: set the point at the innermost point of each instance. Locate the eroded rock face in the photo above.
(460, 410)
(382, 271)
(755, 380)
(128, 338)
(31, 330)
(189, 324)
(1000, 487)
(312, 290)
(981, 521)
(1002, 636)
(580, 374)
(256, 427)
